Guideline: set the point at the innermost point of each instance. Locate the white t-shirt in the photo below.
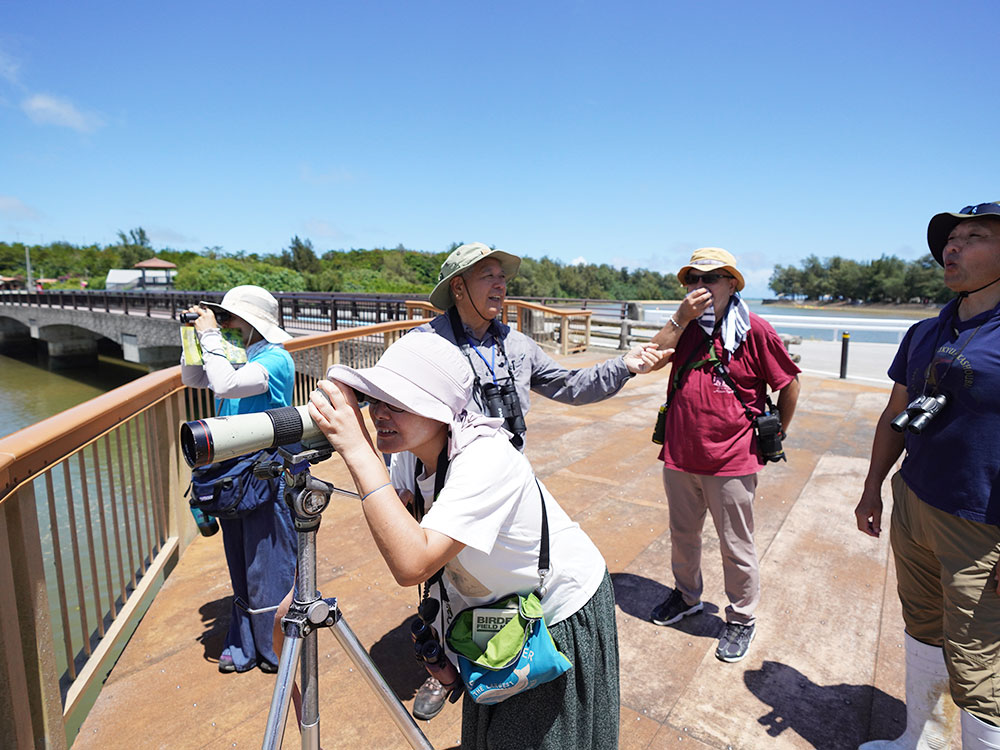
(490, 503)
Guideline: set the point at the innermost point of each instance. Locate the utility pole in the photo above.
(27, 262)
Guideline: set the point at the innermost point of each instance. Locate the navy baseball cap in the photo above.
(942, 224)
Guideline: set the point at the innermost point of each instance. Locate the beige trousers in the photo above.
(730, 501)
(945, 572)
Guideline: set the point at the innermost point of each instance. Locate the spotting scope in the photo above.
(207, 441)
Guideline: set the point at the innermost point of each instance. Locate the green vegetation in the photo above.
(298, 267)
(401, 271)
(887, 279)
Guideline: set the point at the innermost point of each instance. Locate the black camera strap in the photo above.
(462, 341)
(419, 509)
(942, 331)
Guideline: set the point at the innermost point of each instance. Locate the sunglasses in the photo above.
(222, 317)
(982, 208)
(706, 278)
(373, 402)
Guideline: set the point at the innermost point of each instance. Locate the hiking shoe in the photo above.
(735, 642)
(673, 609)
(429, 700)
(226, 663)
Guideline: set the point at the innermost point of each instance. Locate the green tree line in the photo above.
(886, 279)
(299, 268)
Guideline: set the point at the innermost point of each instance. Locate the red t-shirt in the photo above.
(707, 431)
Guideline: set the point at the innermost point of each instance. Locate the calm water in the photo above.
(877, 326)
(29, 392)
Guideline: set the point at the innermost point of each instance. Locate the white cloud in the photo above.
(9, 68)
(578, 261)
(46, 109)
(333, 176)
(756, 282)
(165, 235)
(16, 209)
(324, 230)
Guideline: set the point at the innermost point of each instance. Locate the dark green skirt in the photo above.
(577, 711)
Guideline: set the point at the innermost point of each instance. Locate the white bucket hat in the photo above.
(424, 374)
(256, 306)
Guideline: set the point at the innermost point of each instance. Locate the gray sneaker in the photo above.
(673, 609)
(429, 700)
(735, 642)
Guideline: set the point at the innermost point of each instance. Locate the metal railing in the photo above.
(566, 328)
(299, 312)
(93, 518)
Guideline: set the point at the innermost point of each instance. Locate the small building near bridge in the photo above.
(154, 274)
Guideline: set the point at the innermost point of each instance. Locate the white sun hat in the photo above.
(256, 306)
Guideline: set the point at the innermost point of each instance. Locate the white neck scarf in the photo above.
(735, 324)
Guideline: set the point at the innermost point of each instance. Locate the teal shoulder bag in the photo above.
(521, 653)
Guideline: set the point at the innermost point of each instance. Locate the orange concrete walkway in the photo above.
(826, 669)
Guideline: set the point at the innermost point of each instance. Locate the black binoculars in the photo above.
(500, 400)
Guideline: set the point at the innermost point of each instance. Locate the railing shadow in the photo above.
(827, 717)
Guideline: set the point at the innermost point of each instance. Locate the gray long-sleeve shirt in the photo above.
(533, 369)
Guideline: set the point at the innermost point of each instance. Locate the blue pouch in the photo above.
(229, 489)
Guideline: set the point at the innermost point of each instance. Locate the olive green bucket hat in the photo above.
(461, 260)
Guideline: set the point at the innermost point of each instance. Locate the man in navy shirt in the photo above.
(944, 410)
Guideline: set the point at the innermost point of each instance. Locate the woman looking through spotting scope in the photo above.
(260, 546)
(482, 528)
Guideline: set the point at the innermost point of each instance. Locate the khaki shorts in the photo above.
(945, 569)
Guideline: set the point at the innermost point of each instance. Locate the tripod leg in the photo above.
(357, 654)
(309, 722)
(282, 695)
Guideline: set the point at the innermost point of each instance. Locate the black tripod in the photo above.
(308, 497)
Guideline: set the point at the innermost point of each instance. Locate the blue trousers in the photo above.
(260, 551)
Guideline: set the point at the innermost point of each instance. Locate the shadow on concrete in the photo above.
(638, 595)
(215, 620)
(828, 717)
(393, 655)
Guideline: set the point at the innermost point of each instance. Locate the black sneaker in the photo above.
(673, 609)
(735, 642)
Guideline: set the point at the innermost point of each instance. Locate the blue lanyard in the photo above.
(493, 356)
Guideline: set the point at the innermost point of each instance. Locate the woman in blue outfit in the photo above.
(260, 547)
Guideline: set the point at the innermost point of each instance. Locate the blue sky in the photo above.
(627, 133)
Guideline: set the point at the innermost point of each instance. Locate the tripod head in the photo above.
(305, 495)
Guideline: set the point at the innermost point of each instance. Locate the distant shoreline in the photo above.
(879, 309)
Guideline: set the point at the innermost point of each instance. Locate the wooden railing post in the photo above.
(169, 414)
(31, 702)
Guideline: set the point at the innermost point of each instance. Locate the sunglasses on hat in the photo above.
(982, 208)
(706, 278)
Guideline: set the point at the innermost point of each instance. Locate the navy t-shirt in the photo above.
(954, 464)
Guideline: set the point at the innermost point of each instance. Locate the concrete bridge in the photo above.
(71, 336)
(144, 325)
